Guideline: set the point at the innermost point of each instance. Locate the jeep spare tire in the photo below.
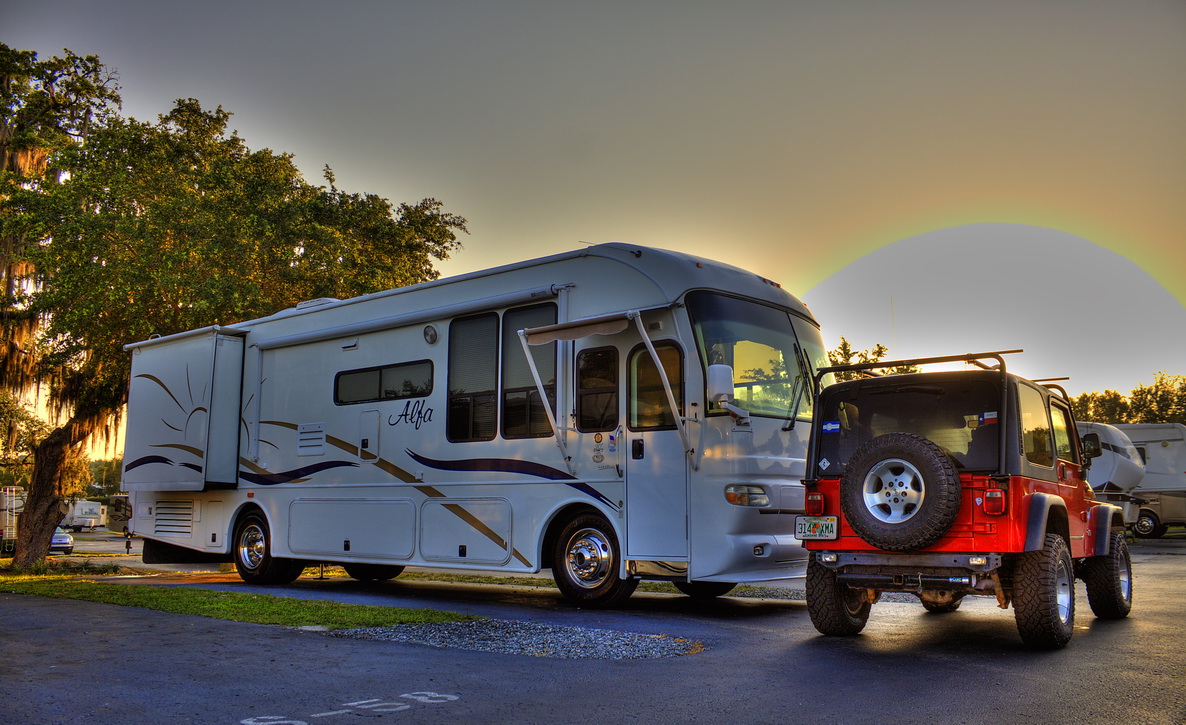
(900, 492)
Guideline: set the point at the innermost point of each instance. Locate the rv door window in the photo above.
(597, 389)
(649, 408)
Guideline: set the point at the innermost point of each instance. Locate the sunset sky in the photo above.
(938, 176)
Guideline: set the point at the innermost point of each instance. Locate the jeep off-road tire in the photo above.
(1044, 594)
(834, 608)
(1109, 580)
(940, 602)
(900, 492)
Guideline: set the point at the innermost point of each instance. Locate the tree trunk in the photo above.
(45, 506)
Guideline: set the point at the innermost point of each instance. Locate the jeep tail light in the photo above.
(815, 504)
(994, 501)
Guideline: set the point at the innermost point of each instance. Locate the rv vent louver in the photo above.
(311, 439)
(174, 518)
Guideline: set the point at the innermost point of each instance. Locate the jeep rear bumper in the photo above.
(913, 572)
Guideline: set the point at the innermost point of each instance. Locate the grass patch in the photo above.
(235, 606)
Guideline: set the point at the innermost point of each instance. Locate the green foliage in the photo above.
(161, 228)
(1162, 401)
(235, 606)
(20, 430)
(844, 354)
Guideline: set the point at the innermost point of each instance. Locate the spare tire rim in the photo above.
(893, 491)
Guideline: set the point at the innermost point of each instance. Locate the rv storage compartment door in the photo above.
(183, 413)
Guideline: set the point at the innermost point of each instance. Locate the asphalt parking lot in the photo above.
(760, 661)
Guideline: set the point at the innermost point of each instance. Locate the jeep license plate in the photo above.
(815, 527)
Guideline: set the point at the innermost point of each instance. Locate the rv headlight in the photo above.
(741, 495)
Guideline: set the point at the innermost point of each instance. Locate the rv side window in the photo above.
(1035, 427)
(597, 389)
(649, 408)
(473, 376)
(391, 382)
(523, 413)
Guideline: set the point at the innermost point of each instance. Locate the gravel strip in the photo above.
(531, 639)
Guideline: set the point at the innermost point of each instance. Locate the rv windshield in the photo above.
(773, 353)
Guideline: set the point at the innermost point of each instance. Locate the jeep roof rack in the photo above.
(976, 359)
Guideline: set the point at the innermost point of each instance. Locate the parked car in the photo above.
(947, 484)
(62, 541)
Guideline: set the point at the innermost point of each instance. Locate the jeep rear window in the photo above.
(961, 417)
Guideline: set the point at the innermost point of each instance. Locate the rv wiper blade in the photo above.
(800, 385)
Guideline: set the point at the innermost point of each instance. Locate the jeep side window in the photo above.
(1064, 442)
(1035, 427)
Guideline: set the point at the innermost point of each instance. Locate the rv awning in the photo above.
(576, 329)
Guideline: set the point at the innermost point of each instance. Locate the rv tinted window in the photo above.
(391, 382)
(473, 376)
(523, 414)
(597, 389)
(649, 407)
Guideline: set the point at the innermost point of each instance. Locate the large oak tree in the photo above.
(156, 228)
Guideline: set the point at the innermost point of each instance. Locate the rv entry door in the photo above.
(656, 461)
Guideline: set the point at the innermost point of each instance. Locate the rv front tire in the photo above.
(585, 563)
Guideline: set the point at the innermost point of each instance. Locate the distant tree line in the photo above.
(1162, 401)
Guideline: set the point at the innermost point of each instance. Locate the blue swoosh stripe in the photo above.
(270, 479)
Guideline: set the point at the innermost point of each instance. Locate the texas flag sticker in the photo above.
(988, 418)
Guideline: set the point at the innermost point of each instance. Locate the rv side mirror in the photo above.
(720, 383)
(1091, 446)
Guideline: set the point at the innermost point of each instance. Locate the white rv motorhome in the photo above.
(1162, 446)
(615, 413)
(1117, 470)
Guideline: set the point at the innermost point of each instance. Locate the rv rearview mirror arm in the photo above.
(720, 391)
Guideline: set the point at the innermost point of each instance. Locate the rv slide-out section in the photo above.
(551, 413)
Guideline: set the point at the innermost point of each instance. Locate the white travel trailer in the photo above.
(1162, 446)
(12, 503)
(1117, 470)
(615, 413)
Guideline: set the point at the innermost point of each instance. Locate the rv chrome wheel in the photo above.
(253, 554)
(253, 546)
(589, 558)
(585, 562)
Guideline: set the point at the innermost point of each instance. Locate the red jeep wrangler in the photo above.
(945, 484)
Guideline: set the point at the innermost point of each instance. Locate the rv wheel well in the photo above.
(559, 520)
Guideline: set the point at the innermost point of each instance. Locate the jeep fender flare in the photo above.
(1040, 507)
(1102, 518)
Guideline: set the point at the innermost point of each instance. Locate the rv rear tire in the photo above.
(1148, 526)
(704, 590)
(586, 561)
(373, 572)
(253, 554)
